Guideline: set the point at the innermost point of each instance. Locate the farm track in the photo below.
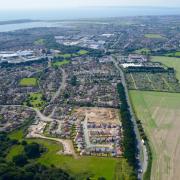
(134, 81)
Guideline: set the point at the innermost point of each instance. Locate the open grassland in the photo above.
(60, 63)
(28, 82)
(153, 36)
(160, 115)
(82, 167)
(170, 62)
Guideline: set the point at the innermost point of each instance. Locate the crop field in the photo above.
(159, 113)
(165, 82)
(82, 167)
(170, 62)
(28, 82)
(153, 36)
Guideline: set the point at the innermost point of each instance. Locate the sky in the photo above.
(57, 4)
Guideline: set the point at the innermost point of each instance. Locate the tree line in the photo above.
(129, 137)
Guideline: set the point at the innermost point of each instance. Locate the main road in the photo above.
(142, 152)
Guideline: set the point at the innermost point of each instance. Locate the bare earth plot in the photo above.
(160, 115)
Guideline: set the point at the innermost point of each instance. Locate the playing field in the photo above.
(153, 36)
(170, 62)
(160, 115)
(143, 51)
(28, 82)
(60, 63)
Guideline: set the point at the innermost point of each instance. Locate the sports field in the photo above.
(160, 115)
(170, 62)
(28, 82)
(60, 63)
(153, 36)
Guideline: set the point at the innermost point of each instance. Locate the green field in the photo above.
(18, 135)
(173, 54)
(68, 55)
(28, 82)
(159, 113)
(64, 55)
(143, 51)
(82, 52)
(110, 168)
(35, 100)
(39, 42)
(14, 151)
(60, 63)
(170, 62)
(153, 36)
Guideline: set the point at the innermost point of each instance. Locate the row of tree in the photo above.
(150, 69)
(129, 139)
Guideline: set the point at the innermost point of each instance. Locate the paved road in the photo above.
(38, 113)
(141, 148)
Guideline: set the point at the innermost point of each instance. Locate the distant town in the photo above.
(73, 86)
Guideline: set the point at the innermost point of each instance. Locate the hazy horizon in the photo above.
(86, 12)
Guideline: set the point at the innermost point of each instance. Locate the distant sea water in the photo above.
(78, 13)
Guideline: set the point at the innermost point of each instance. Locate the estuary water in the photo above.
(77, 13)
